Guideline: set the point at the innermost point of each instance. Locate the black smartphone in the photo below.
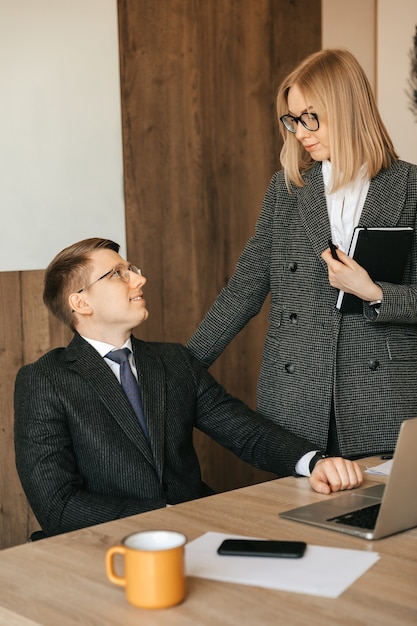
(261, 547)
(333, 250)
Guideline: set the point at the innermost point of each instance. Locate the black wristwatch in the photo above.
(317, 457)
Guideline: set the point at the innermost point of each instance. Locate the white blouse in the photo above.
(344, 206)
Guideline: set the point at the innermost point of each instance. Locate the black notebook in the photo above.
(383, 253)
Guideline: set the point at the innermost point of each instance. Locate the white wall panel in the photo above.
(61, 176)
(397, 22)
(351, 25)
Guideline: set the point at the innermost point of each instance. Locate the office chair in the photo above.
(36, 536)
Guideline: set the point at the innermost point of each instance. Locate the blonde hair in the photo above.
(336, 87)
(68, 272)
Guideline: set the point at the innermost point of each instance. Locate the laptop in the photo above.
(373, 512)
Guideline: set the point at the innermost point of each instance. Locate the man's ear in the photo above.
(79, 304)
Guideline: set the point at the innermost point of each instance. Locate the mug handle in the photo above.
(111, 574)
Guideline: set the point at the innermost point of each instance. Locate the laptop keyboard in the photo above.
(362, 518)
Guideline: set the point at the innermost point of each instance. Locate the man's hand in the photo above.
(351, 277)
(335, 474)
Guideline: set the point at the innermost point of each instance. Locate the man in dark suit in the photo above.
(81, 453)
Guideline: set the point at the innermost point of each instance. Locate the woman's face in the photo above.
(316, 143)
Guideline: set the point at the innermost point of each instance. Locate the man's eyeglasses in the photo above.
(115, 272)
(310, 121)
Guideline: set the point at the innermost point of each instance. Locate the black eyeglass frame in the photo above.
(121, 273)
(300, 120)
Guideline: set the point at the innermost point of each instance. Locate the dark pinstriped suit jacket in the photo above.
(81, 455)
(311, 352)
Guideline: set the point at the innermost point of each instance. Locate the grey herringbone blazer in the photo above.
(82, 457)
(312, 353)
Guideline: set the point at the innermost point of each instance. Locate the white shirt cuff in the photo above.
(302, 467)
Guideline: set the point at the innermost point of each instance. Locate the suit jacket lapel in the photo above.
(151, 378)
(312, 208)
(386, 197)
(84, 359)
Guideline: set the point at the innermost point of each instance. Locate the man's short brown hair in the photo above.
(68, 272)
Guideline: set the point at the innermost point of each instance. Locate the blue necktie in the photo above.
(129, 384)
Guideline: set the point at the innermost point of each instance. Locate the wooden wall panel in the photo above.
(199, 79)
(13, 505)
(26, 332)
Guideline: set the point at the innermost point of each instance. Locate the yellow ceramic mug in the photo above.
(154, 571)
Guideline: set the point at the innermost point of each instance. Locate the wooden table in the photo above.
(61, 581)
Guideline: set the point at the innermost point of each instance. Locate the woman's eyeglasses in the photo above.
(310, 121)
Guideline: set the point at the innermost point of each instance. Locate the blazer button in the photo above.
(292, 266)
(293, 318)
(373, 364)
(290, 368)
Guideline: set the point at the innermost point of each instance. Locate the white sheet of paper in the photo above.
(321, 571)
(383, 469)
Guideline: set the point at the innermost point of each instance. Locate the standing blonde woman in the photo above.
(344, 381)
